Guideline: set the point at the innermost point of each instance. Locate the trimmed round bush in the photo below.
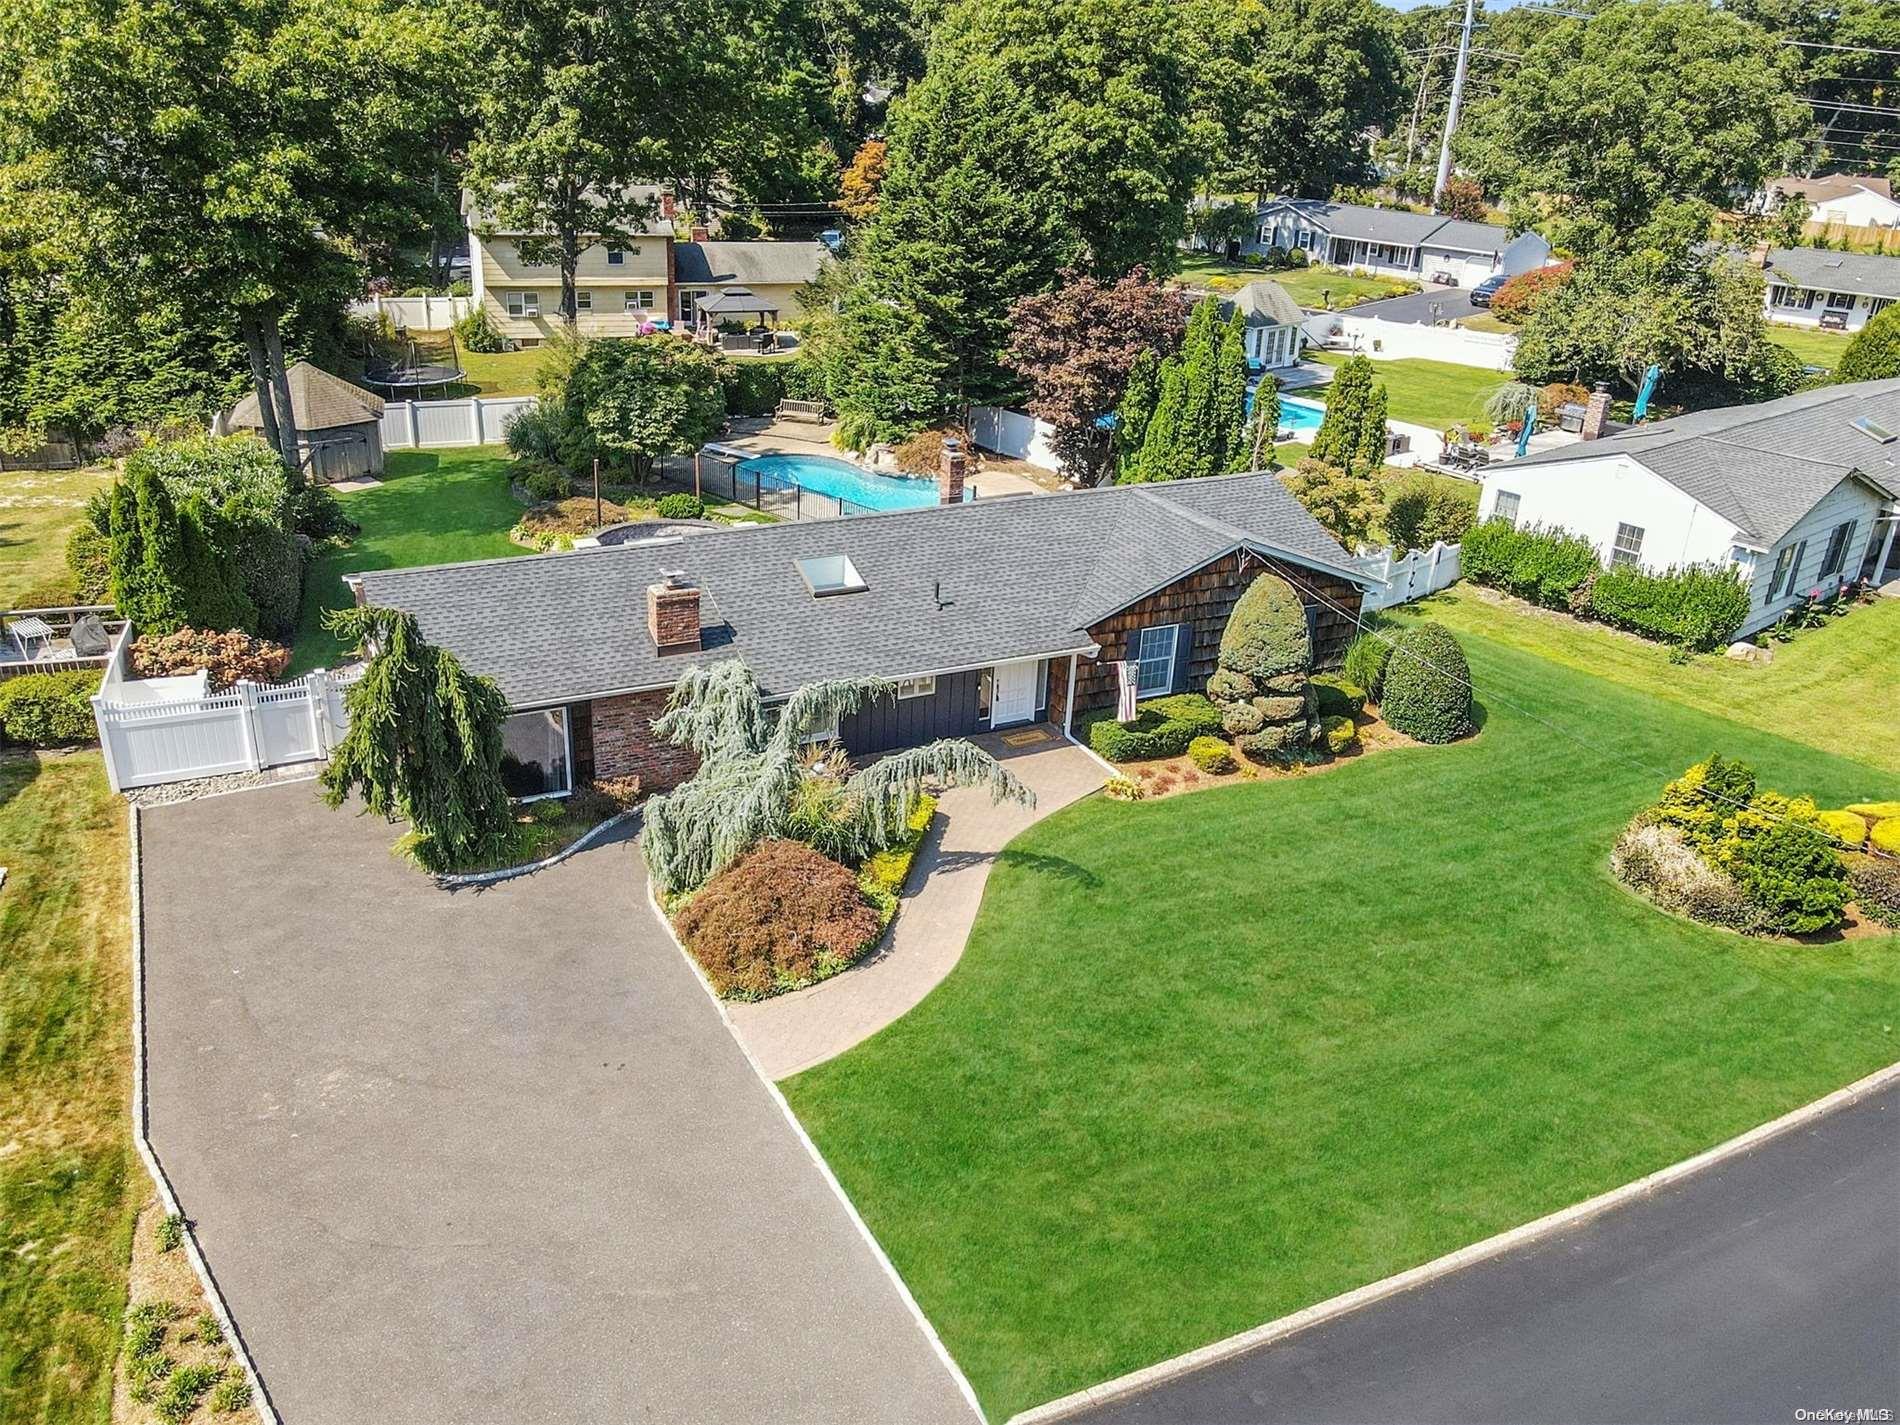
(1227, 686)
(1875, 811)
(1844, 826)
(778, 918)
(1428, 686)
(1336, 697)
(1365, 663)
(1886, 836)
(1240, 719)
(49, 709)
(681, 506)
(1210, 754)
(1266, 633)
(544, 483)
(1339, 733)
(1273, 739)
(1280, 709)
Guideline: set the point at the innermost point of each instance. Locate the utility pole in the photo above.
(1457, 102)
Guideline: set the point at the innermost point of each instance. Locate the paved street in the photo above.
(489, 1156)
(1766, 1285)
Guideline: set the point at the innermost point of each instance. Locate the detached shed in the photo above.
(339, 426)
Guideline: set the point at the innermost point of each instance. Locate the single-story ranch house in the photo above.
(1798, 494)
(619, 289)
(1816, 287)
(1391, 242)
(984, 615)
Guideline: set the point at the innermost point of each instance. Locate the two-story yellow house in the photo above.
(619, 289)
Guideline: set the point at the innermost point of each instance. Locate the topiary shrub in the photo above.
(1428, 686)
(681, 506)
(1163, 727)
(226, 657)
(1365, 663)
(1885, 836)
(49, 709)
(1212, 755)
(1844, 826)
(1875, 811)
(1265, 647)
(1875, 881)
(778, 918)
(1338, 696)
(1338, 733)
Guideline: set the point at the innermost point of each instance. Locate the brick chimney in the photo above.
(673, 614)
(1596, 412)
(950, 473)
(666, 205)
(700, 232)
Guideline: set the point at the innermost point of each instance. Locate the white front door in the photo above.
(1013, 692)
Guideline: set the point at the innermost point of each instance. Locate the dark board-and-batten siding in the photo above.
(889, 723)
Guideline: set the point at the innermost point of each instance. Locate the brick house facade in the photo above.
(619, 742)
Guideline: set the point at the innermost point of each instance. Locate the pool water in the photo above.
(840, 479)
(1301, 417)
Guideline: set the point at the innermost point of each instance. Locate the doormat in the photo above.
(1028, 737)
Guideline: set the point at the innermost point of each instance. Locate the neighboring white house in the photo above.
(1272, 320)
(1798, 494)
(1857, 200)
(1391, 242)
(1814, 286)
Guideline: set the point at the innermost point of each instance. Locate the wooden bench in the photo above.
(809, 411)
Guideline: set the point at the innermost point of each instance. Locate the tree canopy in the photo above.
(1874, 353)
(648, 396)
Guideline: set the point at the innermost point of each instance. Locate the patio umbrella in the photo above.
(1530, 424)
(1129, 672)
(1650, 378)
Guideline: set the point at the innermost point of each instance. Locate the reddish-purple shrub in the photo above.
(779, 917)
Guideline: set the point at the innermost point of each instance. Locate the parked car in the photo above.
(1482, 294)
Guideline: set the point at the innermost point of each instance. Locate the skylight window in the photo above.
(1872, 429)
(830, 574)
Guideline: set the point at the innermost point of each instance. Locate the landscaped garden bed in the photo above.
(546, 827)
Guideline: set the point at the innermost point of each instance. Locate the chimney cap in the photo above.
(675, 578)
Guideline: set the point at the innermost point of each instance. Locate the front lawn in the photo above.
(38, 509)
(1213, 1058)
(1811, 344)
(69, 1181)
(1433, 394)
(1830, 688)
(432, 507)
(1313, 286)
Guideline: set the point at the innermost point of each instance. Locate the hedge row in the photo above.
(49, 709)
(1162, 728)
(1699, 606)
(755, 387)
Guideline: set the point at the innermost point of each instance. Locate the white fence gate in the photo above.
(1422, 572)
(1015, 434)
(247, 729)
(474, 420)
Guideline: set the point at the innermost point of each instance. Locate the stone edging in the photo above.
(508, 873)
(824, 1168)
(1575, 1215)
(260, 1398)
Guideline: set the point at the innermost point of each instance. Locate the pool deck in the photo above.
(763, 435)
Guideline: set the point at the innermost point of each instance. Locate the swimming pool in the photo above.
(840, 479)
(1301, 417)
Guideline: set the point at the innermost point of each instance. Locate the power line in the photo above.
(1844, 49)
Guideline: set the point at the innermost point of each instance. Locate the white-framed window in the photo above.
(1877, 305)
(583, 300)
(1154, 650)
(1837, 543)
(917, 687)
(827, 733)
(1787, 570)
(687, 305)
(1840, 301)
(523, 304)
(1506, 506)
(536, 756)
(640, 301)
(616, 256)
(1627, 552)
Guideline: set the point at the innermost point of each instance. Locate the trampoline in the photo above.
(414, 374)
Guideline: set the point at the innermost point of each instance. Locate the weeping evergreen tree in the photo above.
(425, 741)
(752, 768)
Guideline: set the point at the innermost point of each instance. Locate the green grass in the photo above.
(1434, 394)
(1811, 344)
(1213, 1058)
(38, 509)
(499, 373)
(69, 1183)
(1309, 286)
(1830, 687)
(433, 507)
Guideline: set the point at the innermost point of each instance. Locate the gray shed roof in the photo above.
(1264, 304)
(752, 263)
(319, 400)
(946, 588)
(1821, 270)
(1762, 467)
(1395, 225)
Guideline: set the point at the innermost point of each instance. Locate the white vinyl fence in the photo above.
(251, 727)
(474, 420)
(1014, 433)
(427, 314)
(1392, 341)
(1422, 572)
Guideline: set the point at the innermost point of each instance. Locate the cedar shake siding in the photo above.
(623, 743)
(1202, 601)
(1058, 691)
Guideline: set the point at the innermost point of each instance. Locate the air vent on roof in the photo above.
(830, 574)
(1872, 429)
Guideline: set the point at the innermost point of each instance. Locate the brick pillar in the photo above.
(673, 615)
(950, 474)
(1596, 412)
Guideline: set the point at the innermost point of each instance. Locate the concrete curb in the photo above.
(1575, 1215)
(508, 873)
(831, 1178)
(260, 1398)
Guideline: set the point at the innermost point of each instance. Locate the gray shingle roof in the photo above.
(748, 262)
(1820, 270)
(1264, 304)
(1395, 225)
(947, 588)
(319, 400)
(1762, 467)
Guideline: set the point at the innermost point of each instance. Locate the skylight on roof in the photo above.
(830, 574)
(1872, 429)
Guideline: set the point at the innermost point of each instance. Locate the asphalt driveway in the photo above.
(489, 1156)
(1433, 304)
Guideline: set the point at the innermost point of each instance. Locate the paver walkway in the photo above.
(795, 1031)
(490, 1156)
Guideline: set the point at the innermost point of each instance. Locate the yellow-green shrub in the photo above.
(1339, 732)
(1886, 836)
(1875, 811)
(882, 877)
(1844, 826)
(1210, 754)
